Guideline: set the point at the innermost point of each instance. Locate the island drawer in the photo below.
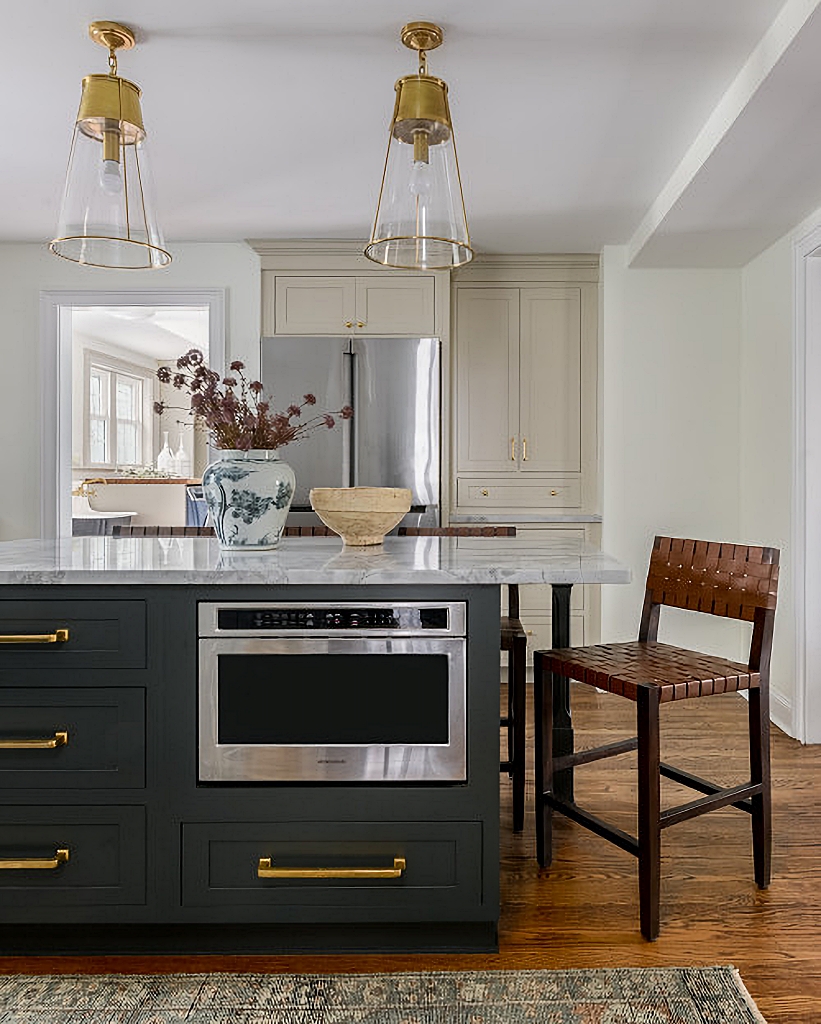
(100, 634)
(69, 856)
(72, 738)
(436, 866)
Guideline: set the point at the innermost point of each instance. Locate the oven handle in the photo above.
(266, 870)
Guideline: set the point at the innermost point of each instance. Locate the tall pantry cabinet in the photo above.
(525, 423)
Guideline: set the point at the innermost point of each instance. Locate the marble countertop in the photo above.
(307, 560)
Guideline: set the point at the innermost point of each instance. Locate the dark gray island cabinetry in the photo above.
(113, 837)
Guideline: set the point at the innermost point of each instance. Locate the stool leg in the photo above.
(511, 722)
(543, 745)
(759, 717)
(647, 716)
(518, 686)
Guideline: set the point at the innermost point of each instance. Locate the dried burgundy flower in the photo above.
(243, 418)
(346, 412)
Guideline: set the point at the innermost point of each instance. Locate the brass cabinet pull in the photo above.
(554, 493)
(60, 739)
(524, 449)
(349, 323)
(59, 636)
(360, 323)
(265, 870)
(36, 863)
(485, 492)
(513, 449)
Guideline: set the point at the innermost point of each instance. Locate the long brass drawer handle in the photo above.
(59, 636)
(36, 863)
(60, 739)
(265, 870)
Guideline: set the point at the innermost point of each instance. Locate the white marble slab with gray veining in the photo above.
(308, 560)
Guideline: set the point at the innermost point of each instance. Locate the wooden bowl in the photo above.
(361, 515)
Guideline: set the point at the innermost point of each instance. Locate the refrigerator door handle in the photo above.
(349, 426)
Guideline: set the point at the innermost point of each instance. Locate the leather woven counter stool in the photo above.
(514, 641)
(729, 580)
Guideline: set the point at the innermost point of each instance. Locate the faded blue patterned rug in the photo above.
(673, 995)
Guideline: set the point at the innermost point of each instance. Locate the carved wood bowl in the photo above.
(361, 515)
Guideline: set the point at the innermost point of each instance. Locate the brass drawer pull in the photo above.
(265, 870)
(60, 739)
(36, 863)
(59, 636)
(524, 449)
(513, 449)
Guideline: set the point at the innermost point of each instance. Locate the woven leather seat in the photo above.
(678, 673)
(730, 580)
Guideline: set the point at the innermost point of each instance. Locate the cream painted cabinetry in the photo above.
(375, 305)
(524, 403)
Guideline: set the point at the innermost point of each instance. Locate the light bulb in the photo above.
(421, 179)
(111, 180)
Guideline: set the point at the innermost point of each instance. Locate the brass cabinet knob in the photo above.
(485, 492)
(349, 323)
(554, 493)
(360, 323)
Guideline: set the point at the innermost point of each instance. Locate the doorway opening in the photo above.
(108, 458)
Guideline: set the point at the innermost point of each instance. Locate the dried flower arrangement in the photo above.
(235, 410)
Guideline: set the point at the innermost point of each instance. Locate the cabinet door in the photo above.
(312, 305)
(550, 380)
(487, 379)
(394, 305)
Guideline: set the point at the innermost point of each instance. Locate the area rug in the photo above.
(701, 995)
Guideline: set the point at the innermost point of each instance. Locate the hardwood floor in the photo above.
(583, 911)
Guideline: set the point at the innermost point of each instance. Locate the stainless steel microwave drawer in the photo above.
(69, 856)
(72, 738)
(429, 870)
(72, 634)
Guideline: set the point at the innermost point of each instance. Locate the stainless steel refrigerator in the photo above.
(393, 439)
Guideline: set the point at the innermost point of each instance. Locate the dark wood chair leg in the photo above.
(511, 684)
(647, 717)
(759, 717)
(543, 748)
(518, 686)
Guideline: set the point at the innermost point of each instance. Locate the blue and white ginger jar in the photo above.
(248, 495)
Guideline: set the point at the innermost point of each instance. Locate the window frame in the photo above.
(115, 367)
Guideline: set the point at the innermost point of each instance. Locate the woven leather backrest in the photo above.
(731, 580)
(456, 531)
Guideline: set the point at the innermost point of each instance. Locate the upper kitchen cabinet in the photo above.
(376, 305)
(524, 398)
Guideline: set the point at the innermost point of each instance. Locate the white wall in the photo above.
(765, 484)
(670, 430)
(28, 269)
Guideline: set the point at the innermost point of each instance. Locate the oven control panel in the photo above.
(264, 619)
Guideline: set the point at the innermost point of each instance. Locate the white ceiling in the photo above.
(268, 118)
(158, 332)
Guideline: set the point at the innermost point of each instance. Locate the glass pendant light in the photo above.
(420, 221)
(107, 217)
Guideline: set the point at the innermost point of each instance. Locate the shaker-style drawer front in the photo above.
(84, 738)
(68, 856)
(381, 866)
(565, 492)
(72, 634)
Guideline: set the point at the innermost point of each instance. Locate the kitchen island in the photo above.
(140, 797)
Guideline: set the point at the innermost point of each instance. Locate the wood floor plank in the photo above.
(583, 910)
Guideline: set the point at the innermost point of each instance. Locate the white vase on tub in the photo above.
(248, 495)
